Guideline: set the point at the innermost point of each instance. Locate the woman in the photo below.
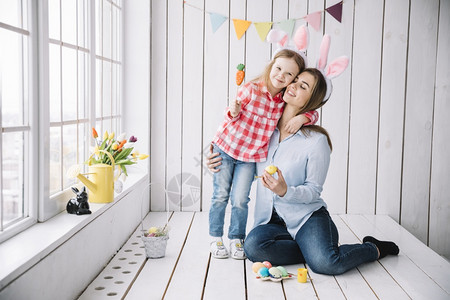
(292, 224)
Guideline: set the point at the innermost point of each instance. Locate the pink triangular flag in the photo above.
(314, 20)
(336, 11)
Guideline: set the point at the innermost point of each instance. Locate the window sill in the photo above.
(20, 253)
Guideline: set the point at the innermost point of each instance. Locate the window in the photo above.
(74, 84)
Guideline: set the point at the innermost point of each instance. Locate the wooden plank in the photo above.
(364, 107)
(439, 231)
(292, 288)
(257, 53)
(380, 281)
(193, 80)
(406, 268)
(326, 286)
(418, 117)
(392, 104)
(435, 266)
(158, 108)
(260, 289)
(156, 273)
(352, 282)
(217, 78)
(336, 113)
(192, 266)
(174, 102)
(221, 271)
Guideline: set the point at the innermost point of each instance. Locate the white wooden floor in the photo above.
(188, 272)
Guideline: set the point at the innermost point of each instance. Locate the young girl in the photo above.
(242, 140)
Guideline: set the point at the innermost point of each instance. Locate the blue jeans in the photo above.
(232, 182)
(316, 243)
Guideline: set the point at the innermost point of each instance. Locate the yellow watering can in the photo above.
(101, 180)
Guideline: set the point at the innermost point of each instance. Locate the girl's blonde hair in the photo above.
(286, 53)
(315, 102)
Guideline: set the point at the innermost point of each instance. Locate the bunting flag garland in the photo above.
(288, 26)
(314, 20)
(216, 21)
(241, 26)
(336, 11)
(263, 29)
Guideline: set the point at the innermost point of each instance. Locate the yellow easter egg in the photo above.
(271, 169)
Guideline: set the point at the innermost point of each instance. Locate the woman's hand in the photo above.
(235, 108)
(278, 186)
(213, 160)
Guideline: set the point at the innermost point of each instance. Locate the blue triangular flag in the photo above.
(216, 21)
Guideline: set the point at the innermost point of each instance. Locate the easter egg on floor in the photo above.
(283, 271)
(263, 272)
(274, 272)
(256, 266)
(267, 264)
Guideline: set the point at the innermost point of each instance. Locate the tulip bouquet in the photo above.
(120, 148)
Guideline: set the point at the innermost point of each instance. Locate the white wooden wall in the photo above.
(388, 116)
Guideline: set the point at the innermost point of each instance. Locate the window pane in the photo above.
(10, 12)
(53, 19)
(83, 17)
(70, 148)
(106, 89)
(83, 60)
(13, 176)
(55, 160)
(99, 88)
(12, 78)
(69, 83)
(107, 11)
(69, 21)
(55, 82)
(115, 91)
(98, 27)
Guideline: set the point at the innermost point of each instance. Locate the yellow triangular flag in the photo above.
(263, 29)
(241, 26)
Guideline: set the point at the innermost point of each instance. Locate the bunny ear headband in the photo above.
(334, 69)
(300, 40)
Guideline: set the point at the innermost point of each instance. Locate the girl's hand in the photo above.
(296, 123)
(213, 160)
(278, 186)
(235, 108)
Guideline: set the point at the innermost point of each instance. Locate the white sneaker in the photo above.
(217, 249)
(237, 249)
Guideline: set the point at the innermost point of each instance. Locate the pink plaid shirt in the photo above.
(246, 136)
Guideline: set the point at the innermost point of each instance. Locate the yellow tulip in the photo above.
(105, 135)
(143, 156)
(111, 136)
(114, 146)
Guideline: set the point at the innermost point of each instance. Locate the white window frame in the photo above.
(42, 206)
(31, 178)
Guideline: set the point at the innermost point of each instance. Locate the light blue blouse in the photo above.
(303, 161)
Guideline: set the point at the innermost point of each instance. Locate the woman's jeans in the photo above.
(232, 182)
(316, 243)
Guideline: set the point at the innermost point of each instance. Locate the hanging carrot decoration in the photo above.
(240, 74)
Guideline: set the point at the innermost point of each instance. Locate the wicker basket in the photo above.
(155, 246)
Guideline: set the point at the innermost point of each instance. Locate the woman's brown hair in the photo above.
(315, 102)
